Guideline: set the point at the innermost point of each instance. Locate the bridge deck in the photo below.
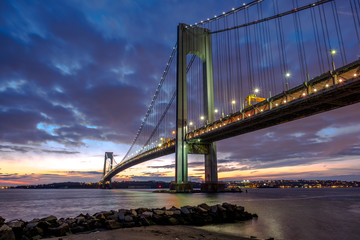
(324, 93)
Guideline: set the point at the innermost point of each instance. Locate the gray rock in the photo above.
(128, 218)
(2, 221)
(213, 209)
(6, 233)
(121, 216)
(147, 214)
(185, 210)
(177, 212)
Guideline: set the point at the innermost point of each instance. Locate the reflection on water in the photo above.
(283, 213)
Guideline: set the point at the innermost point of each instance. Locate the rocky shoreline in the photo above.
(51, 226)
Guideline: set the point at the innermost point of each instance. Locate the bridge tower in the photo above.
(110, 156)
(194, 40)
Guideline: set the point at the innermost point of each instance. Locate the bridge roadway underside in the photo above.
(329, 99)
(138, 160)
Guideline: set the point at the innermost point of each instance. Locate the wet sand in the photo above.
(152, 233)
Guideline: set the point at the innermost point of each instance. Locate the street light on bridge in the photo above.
(332, 53)
(232, 105)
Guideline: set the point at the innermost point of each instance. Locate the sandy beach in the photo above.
(152, 233)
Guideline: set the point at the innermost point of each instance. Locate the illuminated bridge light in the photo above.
(276, 104)
(238, 119)
(355, 74)
(261, 110)
(315, 90)
(327, 85)
(284, 101)
(304, 94)
(340, 80)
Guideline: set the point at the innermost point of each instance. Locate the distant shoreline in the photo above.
(166, 185)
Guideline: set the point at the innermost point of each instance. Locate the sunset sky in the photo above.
(76, 78)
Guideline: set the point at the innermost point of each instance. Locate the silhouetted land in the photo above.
(230, 184)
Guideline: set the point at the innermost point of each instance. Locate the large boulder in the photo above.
(17, 227)
(112, 224)
(60, 230)
(49, 219)
(147, 214)
(204, 206)
(185, 210)
(6, 233)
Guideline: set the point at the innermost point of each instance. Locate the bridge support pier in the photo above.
(193, 40)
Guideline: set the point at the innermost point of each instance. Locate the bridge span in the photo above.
(331, 90)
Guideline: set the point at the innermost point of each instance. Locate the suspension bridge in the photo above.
(259, 65)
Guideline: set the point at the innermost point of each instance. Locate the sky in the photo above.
(76, 78)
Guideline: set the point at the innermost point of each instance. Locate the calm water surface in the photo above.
(283, 213)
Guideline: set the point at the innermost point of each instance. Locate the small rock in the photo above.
(2, 221)
(6, 233)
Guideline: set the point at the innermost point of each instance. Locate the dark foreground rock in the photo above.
(188, 215)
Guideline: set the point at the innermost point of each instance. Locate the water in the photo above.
(283, 213)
